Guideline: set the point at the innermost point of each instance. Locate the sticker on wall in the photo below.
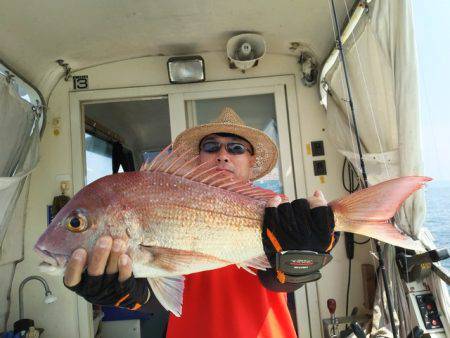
(308, 149)
(80, 82)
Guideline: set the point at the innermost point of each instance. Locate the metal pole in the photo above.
(349, 93)
(363, 167)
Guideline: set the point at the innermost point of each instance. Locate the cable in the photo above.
(348, 287)
(352, 185)
(350, 188)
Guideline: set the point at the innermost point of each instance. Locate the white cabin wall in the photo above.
(60, 319)
(333, 283)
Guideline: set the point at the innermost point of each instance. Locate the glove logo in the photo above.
(300, 263)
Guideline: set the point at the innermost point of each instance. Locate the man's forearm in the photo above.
(152, 305)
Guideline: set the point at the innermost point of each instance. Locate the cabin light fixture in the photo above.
(186, 69)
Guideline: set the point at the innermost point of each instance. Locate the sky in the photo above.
(432, 33)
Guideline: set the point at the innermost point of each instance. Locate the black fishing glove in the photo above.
(293, 227)
(107, 290)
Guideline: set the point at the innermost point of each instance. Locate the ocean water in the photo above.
(437, 195)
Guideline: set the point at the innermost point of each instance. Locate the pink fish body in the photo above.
(179, 218)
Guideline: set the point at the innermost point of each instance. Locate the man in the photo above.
(227, 302)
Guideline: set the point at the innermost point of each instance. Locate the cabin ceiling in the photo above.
(85, 33)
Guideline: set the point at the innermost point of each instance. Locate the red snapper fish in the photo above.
(180, 217)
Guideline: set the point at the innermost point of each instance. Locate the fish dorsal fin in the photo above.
(180, 162)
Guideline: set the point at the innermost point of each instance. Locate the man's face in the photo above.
(238, 164)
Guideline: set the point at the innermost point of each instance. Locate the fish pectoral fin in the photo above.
(259, 263)
(169, 292)
(174, 260)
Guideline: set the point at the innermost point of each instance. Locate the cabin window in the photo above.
(98, 158)
(123, 133)
(257, 111)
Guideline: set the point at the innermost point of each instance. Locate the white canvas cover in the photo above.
(19, 139)
(382, 67)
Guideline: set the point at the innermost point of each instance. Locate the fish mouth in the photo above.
(52, 259)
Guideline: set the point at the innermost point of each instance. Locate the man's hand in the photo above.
(304, 224)
(317, 200)
(107, 256)
(108, 279)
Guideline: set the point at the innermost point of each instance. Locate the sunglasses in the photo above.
(233, 148)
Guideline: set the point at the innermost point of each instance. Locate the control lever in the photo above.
(331, 305)
(357, 330)
(354, 328)
(416, 332)
(418, 267)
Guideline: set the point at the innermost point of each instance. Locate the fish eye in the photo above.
(76, 223)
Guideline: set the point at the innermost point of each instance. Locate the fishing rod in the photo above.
(363, 167)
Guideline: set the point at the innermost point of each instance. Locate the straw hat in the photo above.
(265, 150)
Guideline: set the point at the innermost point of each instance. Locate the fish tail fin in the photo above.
(369, 211)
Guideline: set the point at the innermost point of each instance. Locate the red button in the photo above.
(429, 307)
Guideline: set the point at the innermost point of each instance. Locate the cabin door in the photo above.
(264, 107)
(119, 128)
(119, 134)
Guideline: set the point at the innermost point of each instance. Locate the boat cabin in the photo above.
(92, 88)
